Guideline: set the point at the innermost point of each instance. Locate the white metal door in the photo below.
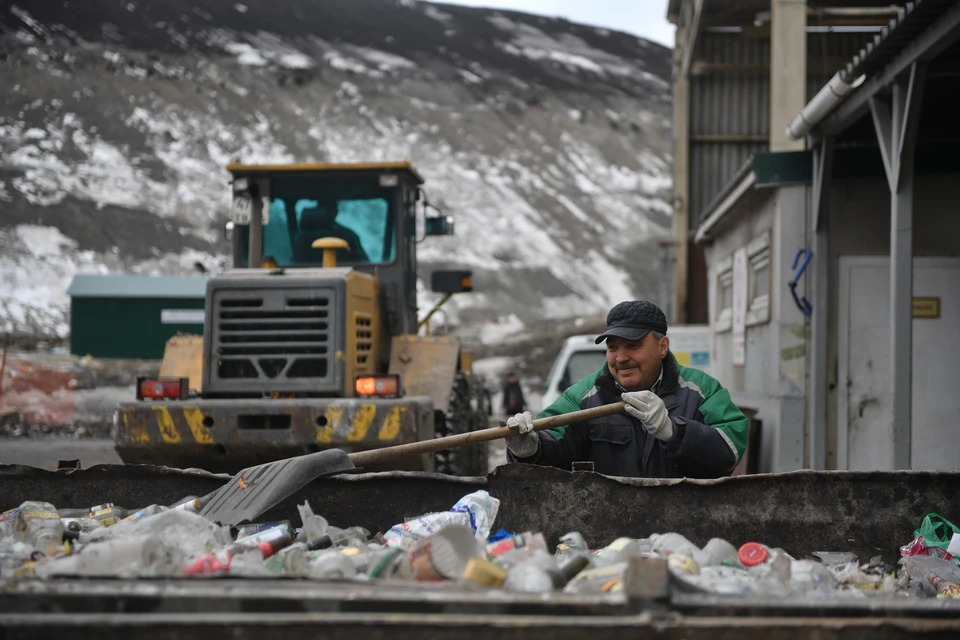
(864, 434)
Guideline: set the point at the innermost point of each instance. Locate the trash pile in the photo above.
(459, 545)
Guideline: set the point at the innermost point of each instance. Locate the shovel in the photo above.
(256, 489)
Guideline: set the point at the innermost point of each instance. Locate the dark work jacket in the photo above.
(709, 431)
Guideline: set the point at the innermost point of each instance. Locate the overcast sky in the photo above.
(645, 18)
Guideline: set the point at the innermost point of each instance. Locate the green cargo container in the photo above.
(131, 316)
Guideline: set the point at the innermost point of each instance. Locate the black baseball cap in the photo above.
(633, 320)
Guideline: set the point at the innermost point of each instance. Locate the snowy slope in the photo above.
(548, 141)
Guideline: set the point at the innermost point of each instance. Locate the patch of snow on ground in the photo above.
(435, 14)
(246, 54)
(504, 329)
(468, 77)
(341, 62)
(383, 60)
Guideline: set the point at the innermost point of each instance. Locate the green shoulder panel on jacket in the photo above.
(717, 408)
(569, 401)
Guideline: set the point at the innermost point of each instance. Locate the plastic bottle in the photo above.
(619, 550)
(668, 543)
(40, 526)
(569, 570)
(108, 514)
(682, 565)
(717, 552)
(223, 562)
(807, 576)
(527, 577)
(330, 563)
(247, 530)
(595, 581)
(191, 504)
(314, 526)
(936, 574)
(152, 510)
(142, 555)
(189, 533)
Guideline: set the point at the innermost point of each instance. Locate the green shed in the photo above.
(132, 316)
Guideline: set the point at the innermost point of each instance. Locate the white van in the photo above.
(579, 356)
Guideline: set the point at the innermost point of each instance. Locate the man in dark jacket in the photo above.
(680, 422)
(513, 401)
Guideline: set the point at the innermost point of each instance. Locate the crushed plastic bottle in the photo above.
(152, 510)
(122, 557)
(330, 564)
(807, 576)
(620, 550)
(40, 526)
(527, 577)
(314, 526)
(108, 514)
(937, 576)
(717, 552)
(191, 533)
(668, 543)
(193, 504)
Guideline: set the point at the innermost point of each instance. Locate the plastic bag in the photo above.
(936, 531)
(476, 510)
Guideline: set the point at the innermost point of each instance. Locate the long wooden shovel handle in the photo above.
(361, 458)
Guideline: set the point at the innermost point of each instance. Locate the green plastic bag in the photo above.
(936, 531)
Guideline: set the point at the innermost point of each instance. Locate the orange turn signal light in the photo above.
(388, 385)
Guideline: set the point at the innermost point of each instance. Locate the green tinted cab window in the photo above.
(302, 211)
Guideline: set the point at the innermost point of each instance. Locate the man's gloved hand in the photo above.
(648, 408)
(525, 443)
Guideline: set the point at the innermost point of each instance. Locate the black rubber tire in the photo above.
(462, 417)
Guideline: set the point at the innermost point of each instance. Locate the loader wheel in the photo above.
(461, 417)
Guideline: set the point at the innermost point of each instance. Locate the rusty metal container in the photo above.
(868, 513)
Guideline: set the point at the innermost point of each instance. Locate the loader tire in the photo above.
(461, 417)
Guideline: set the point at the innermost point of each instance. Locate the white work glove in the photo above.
(525, 441)
(648, 408)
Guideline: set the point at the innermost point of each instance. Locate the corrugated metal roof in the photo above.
(135, 286)
(913, 18)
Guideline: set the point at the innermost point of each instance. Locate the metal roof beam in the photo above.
(940, 35)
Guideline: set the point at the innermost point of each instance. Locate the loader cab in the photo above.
(280, 212)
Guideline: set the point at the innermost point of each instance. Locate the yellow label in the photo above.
(949, 591)
(683, 564)
(351, 551)
(40, 515)
(928, 308)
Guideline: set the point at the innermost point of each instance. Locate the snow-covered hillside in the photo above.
(548, 141)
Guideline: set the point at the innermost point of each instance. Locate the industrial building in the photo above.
(815, 228)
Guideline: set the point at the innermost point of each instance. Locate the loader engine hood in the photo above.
(303, 332)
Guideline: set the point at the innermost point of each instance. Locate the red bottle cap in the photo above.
(752, 554)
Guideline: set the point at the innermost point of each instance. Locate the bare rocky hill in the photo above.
(549, 141)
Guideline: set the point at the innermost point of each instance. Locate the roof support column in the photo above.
(681, 166)
(788, 69)
(896, 123)
(819, 329)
